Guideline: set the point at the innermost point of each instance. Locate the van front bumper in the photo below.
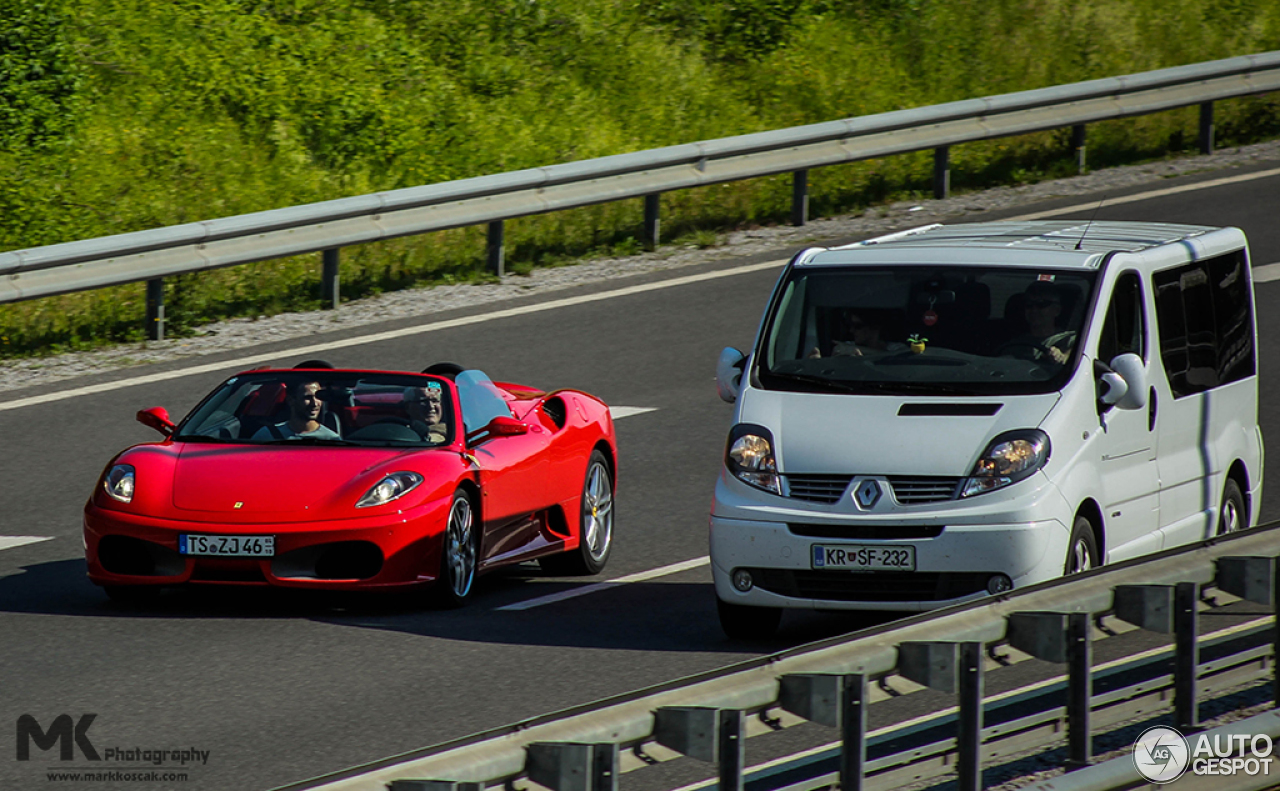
(957, 553)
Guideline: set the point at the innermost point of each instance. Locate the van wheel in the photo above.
(748, 623)
(1231, 515)
(1082, 550)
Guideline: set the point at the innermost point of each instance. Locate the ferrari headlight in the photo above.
(1011, 457)
(392, 487)
(749, 457)
(118, 482)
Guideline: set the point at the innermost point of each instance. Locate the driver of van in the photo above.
(1043, 312)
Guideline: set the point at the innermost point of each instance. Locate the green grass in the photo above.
(121, 115)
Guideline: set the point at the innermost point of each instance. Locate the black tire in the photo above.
(132, 594)
(1231, 514)
(741, 622)
(459, 554)
(1082, 549)
(596, 532)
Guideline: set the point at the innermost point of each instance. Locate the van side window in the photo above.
(1206, 323)
(1122, 331)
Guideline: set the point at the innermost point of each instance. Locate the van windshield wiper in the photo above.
(839, 387)
(917, 388)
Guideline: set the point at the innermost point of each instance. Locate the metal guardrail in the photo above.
(832, 683)
(327, 226)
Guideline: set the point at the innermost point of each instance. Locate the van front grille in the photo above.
(889, 586)
(818, 488)
(916, 491)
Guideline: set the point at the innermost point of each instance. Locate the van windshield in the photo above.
(924, 330)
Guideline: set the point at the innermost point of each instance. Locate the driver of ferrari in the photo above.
(304, 416)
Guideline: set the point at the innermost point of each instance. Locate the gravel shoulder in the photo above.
(246, 332)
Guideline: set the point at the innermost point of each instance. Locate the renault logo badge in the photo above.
(867, 493)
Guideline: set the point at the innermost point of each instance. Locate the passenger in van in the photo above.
(1045, 315)
(856, 333)
(304, 405)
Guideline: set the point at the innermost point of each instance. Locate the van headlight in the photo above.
(749, 457)
(1011, 457)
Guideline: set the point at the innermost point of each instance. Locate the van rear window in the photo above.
(1205, 320)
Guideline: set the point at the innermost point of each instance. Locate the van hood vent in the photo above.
(948, 410)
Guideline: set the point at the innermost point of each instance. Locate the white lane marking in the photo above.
(308, 351)
(1266, 273)
(953, 709)
(9, 542)
(641, 576)
(619, 412)
(1141, 196)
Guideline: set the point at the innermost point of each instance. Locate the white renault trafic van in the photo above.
(955, 411)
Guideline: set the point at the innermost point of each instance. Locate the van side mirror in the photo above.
(1125, 381)
(729, 370)
(157, 417)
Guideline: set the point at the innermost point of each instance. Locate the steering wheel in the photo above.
(1034, 350)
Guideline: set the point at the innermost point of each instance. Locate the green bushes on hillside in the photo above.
(120, 115)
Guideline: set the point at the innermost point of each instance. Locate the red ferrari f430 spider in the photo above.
(346, 479)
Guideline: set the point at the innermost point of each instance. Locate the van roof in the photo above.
(1073, 244)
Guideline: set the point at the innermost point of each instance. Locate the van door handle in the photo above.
(1151, 410)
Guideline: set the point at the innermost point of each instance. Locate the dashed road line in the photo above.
(641, 576)
(9, 542)
(619, 412)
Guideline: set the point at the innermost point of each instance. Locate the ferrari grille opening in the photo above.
(138, 558)
(343, 560)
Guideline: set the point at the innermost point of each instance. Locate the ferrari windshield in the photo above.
(923, 330)
(325, 408)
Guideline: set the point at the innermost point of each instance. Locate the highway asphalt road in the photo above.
(280, 688)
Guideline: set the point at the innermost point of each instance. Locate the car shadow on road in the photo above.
(649, 616)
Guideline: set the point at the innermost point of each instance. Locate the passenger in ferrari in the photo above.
(304, 416)
(425, 407)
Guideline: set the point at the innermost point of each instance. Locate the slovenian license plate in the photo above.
(864, 557)
(228, 546)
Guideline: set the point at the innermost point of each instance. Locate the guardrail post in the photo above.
(652, 220)
(604, 767)
(155, 309)
(942, 172)
(329, 279)
(1206, 127)
(853, 730)
(799, 197)
(969, 732)
(496, 248)
(1186, 660)
(733, 751)
(1079, 689)
(1078, 146)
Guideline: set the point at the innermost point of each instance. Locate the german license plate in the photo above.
(227, 546)
(864, 557)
